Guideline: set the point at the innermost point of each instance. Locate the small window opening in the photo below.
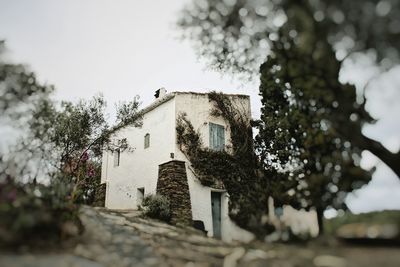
(117, 157)
(147, 140)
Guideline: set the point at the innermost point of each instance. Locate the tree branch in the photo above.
(392, 160)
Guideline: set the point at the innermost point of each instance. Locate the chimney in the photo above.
(160, 93)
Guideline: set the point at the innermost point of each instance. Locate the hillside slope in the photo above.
(123, 238)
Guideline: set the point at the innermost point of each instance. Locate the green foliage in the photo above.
(127, 113)
(19, 88)
(241, 131)
(316, 37)
(310, 128)
(56, 136)
(61, 144)
(377, 217)
(72, 137)
(76, 129)
(35, 214)
(301, 132)
(157, 207)
(31, 213)
(236, 171)
(236, 36)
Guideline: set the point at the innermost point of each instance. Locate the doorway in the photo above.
(216, 213)
(140, 196)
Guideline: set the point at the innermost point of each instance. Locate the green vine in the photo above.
(235, 171)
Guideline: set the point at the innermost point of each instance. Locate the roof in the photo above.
(171, 95)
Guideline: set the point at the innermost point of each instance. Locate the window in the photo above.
(147, 140)
(217, 137)
(117, 157)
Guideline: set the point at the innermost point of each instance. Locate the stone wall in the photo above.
(100, 196)
(172, 183)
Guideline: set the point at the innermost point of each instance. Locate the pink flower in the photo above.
(85, 157)
(91, 172)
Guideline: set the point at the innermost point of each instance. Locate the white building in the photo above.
(131, 175)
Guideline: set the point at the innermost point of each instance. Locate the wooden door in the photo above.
(216, 213)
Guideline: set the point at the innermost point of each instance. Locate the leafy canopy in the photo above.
(237, 35)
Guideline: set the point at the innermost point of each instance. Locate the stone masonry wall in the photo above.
(172, 183)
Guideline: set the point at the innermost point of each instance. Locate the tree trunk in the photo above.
(320, 218)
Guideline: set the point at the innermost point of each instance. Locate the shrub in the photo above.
(35, 214)
(157, 207)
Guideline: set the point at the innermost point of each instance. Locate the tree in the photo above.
(19, 88)
(58, 140)
(296, 134)
(21, 93)
(74, 136)
(60, 143)
(30, 213)
(236, 36)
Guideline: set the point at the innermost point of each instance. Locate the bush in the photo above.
(376, 217)
(35, 214)
(157, 207)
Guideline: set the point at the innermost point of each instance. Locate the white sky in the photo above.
(124, 48)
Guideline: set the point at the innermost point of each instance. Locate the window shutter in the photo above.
(221, 138)
(212, 136)
(217, 137)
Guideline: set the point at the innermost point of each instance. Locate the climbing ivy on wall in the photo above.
(235, 170)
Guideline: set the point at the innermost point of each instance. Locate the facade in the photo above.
(129, 176)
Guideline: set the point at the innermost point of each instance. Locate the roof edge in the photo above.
(157, 103)
(171, 95)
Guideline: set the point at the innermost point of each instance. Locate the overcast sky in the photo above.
(124, 48)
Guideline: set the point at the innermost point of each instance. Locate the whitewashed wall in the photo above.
(197, 108)
(140, 168)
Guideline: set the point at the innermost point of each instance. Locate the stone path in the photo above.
(124, 239)
(110, 240)
(128, 240)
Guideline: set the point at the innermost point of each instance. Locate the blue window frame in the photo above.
(217, 137)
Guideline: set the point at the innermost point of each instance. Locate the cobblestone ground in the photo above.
(124, 239)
